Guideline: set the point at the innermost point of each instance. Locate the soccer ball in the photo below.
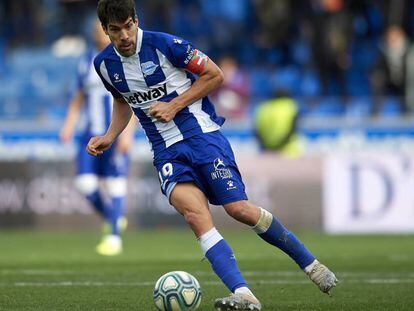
(177, 291)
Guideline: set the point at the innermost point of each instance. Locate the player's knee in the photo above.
(243, 211)
(116, 186)
(87, 183)
(264, 222)
(192, 218)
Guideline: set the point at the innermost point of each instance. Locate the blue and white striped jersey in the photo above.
(156, 73)
(98, 101)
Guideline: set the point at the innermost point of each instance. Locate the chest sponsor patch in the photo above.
(146, 96)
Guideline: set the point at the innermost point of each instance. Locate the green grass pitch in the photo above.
(60, 271)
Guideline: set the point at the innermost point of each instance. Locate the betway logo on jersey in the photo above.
(150, 95)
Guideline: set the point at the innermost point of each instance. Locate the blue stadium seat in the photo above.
(286, 78)
(260, 84)
(359, 107)
(44, 78)
(328, 107)
(310, 84)
(391, 107)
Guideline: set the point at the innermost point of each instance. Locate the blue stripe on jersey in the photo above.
(150, 65)
(185, 120)
(190, 76)
(208, 108)
(160, 41)
(150, 129)
(107, 53)
(117, 75)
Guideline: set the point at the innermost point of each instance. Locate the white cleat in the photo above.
(238, 302)
(324, 278)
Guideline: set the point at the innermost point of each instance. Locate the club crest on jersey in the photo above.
(148, 68)
(220, 170)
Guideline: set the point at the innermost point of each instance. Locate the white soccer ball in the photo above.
(177, 291)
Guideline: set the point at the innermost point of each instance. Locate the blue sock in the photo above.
(224, 265)
(285, 240)
(117, 211)
(98, 203)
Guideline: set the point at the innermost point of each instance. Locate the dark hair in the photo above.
(115, 11)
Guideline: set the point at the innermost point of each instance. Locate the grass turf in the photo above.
(60, 271)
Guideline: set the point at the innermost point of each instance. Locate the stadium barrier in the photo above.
(42, 194)
(369, 193)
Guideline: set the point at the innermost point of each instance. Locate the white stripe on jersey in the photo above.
(97, 98)
(203, 119)
(177, 78)
(168, 131)
(179, 82)
(96, 102)
(105, 75)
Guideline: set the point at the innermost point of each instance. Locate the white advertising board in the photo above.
(368, 193)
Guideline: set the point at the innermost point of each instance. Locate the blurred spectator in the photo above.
(157, 14)
(20, 22)
(275, 19)
(232, 98)
(228, 25)
(388, 77)
(74, 15)
(309, 47)
(331, 24)
(276, 125)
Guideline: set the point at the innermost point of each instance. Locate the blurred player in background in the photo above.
(152, 75)
(275, 124)
(102, 180)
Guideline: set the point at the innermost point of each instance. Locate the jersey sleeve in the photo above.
(81, 73)
(115, 93)
(184, 54)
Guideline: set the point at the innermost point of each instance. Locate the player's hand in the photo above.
(98, 144)
(163, 112)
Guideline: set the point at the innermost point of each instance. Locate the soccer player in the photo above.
(96, 102)
(151, 74)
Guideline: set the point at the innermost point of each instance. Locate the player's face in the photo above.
(123, 36)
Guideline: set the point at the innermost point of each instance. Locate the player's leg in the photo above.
(192, 203)
(88, 185)
(117, 191)
(225, 186)
(113, 169)
(270, 229)
(87, 181)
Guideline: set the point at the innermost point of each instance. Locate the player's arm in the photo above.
(210, 77)
(126, 138)
(72, 116)
(121, 115)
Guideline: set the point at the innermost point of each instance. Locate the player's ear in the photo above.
(136, 20)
